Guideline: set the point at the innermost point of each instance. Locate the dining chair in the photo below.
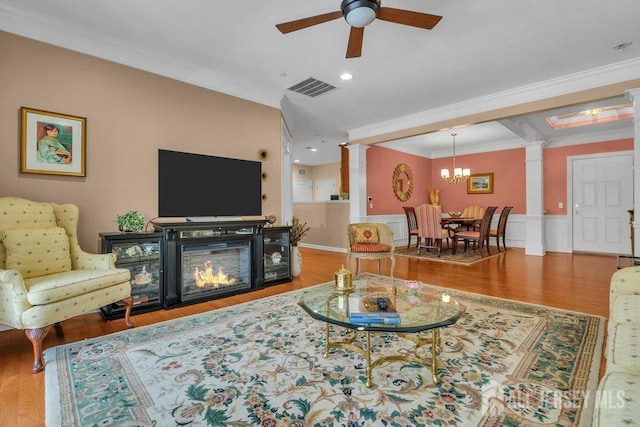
(430, 230)
(473, 211)
(479, 237)
(412, 225)
(501, 231)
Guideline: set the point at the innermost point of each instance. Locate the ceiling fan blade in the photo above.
(299, 24)
(407, 17)
(354, 48)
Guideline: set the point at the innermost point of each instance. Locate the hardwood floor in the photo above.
(576, 282)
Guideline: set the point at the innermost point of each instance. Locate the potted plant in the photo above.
(130, 221)
(298, 231)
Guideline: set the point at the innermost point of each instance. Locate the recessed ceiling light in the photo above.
(296, 161)
(346, 76)
(313, 149)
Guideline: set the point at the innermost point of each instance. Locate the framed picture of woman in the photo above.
(52, 143)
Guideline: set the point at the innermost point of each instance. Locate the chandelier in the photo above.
(459, 174)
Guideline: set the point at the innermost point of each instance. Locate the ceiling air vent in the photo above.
(311, 87)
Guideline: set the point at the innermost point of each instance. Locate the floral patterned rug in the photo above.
(260, 363)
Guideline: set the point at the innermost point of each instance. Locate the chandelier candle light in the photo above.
(459, 174)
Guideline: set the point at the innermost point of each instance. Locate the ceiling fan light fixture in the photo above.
(359, 13)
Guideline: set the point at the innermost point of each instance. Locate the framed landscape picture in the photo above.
(52, 143)
(480, 183)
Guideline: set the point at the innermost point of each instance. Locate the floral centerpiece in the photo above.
(298, 231)
(414, 290)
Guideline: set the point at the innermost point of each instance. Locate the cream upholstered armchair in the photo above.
(45, 277)
(370, 241)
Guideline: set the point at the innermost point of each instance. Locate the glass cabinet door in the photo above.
(277, 251)
(140, 254)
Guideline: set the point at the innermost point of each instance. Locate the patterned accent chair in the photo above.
(430, 230)
(45, 277)
(370, 241)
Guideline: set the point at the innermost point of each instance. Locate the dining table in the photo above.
(461, 220)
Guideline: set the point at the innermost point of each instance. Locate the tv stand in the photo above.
(161, 253)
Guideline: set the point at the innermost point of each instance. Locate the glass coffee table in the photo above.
(419, 308)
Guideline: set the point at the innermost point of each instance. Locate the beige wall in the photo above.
(328, 171)
(314, 173)
(328, 221)
(130, 114)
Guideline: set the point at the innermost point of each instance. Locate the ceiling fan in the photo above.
(359, 14)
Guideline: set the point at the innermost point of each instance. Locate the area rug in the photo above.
(260, 363)
(461, 257)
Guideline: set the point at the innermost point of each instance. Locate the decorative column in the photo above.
(286, 175)
(357, 183)
(535, 199)
(634, 96)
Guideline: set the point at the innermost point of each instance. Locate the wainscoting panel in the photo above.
(557, 232)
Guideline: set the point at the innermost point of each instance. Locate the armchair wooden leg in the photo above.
(393, 264)
(36, 336)
(128, 303)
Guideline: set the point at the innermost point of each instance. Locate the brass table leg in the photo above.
(435, 342)
(327, 344)
(366, 353)
(369, 382)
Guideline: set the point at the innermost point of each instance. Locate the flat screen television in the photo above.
(199, 186)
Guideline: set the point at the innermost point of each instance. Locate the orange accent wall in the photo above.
(381, 163)
(509, 171)
(508, 167)
(555, 169)
(509, 181)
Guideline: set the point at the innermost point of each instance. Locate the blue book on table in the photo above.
(375, 320)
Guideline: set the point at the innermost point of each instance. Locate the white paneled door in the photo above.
(302, 191)
(602, 195)
(325, 188)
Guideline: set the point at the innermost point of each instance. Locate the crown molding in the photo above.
(585, 138)
(37, 26)
(585, 80)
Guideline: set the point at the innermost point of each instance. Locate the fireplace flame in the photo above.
(205, 277)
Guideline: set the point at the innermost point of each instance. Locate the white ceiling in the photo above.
(482, 54)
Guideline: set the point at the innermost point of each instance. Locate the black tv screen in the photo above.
(195, 185)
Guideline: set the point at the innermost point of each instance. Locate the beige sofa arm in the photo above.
(13, 297)
(625, 281)
(82, 260)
